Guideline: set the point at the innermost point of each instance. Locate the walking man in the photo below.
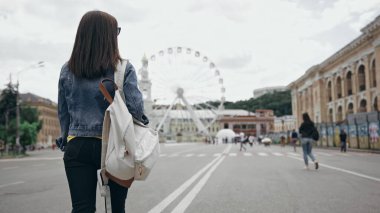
(242, 143)
(343, 140)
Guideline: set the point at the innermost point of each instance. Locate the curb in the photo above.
(350, 149)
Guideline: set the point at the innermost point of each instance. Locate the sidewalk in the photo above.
(376, 151)
(45, 153)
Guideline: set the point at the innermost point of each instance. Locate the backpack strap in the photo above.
(102, 177)
(119, 76)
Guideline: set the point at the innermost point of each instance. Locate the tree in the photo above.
(8, 113)
(30, 123)
(8, 103)
(279, 102)
(28, 134)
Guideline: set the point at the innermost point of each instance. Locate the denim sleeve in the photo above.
(63, 113)
(133, 96)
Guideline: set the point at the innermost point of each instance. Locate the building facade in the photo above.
(285, 123)
(256, 124)
(347, 82)
(48, 114)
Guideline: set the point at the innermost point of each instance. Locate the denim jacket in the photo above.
(81, 105)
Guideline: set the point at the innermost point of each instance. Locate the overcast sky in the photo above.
(254, 43)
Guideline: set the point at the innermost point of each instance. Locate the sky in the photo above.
(254, 43)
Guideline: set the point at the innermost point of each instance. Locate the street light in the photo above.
(40, 64)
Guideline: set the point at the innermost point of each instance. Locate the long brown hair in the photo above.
(306, 117)
(95, 49)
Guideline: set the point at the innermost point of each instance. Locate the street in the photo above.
(197, 177)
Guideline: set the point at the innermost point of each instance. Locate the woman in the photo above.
(81, 107)
(306, 130)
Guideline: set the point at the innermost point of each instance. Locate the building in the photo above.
(256, 124)
(262, 91)
(180, 127)
(347, 82)
(48, 113)
(285, 123)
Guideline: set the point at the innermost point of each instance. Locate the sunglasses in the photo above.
(118, 30)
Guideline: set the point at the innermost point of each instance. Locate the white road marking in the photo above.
(171, 197)
(232, 154)
(217, 154)
(323, 154)
(32, 159)
(262, 154)
(277, 154)
(343, 170)
(247, 154)
(188, 150)
(173, 155)
(186, 201)
(201, 155)
(189, 155)
(10, 184)
(177, 144)
(163, 155)
(294, 154)
(13, 167)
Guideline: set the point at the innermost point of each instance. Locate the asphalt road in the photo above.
(196, 177)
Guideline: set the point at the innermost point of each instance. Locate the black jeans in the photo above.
(82, 160)
(343, 147)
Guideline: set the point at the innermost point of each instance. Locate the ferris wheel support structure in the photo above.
(166, 114)
(195, 118)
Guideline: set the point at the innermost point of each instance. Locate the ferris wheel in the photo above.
(186, 87)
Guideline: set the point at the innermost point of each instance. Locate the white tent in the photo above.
(225, 133)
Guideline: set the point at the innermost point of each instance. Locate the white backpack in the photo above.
(129, 148)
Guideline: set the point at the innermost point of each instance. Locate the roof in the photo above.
(32, 98)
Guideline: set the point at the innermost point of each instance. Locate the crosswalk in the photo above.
(249, 154)
(231, 154)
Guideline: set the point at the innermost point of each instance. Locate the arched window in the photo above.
(375, 107)
(350, 108)
(340, 114)
(349, 83)
(373, 71)
(361, 78)
(363, 106)
(339, 87)
(329, 93)
(331, 115)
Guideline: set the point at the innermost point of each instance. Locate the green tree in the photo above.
(8, 113)
(28, 134)
(279, 102)
(30, 123)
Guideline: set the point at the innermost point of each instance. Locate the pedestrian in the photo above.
(259, 139)
(243, 141)
(307, 130)
(251, 140)
(282, 141)
(343, 141)
(81, 107)
(294, 137)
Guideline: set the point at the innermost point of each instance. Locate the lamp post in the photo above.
(38, 65)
